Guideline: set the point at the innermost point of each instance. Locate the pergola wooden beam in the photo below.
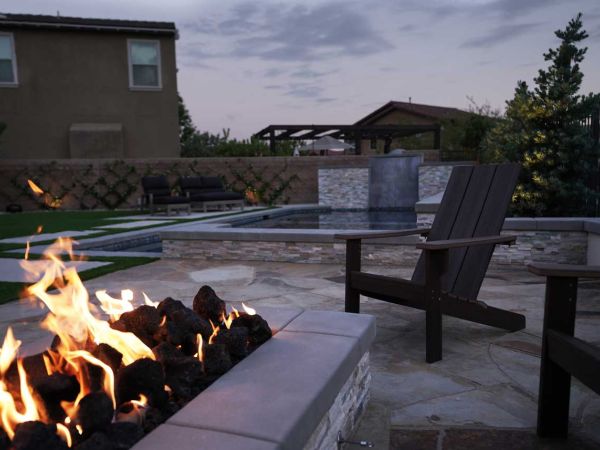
(355, 133)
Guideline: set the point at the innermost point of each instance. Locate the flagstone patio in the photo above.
(483, 394)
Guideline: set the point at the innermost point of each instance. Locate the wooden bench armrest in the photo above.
(467, 242)
(382, 234)
(564, 270)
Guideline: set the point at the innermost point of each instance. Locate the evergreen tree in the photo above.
(187, 129)
(543, 131)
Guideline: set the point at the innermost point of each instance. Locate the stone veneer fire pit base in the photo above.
(296, 391)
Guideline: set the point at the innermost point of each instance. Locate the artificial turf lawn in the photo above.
(26, 223)
(11, 291)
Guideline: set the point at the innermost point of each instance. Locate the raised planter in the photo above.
(298, 390)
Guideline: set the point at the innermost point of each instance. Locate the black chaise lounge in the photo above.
(157, 195)
(455, 256)
(209, 191)
(563, 355)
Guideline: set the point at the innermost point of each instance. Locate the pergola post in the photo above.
(437, 139)
(272, 141)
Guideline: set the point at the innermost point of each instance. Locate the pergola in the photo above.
(349, 133)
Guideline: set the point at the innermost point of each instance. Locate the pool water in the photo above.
(336, 220)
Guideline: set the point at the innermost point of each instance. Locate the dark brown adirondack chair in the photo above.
(563, 355)
(459, 246)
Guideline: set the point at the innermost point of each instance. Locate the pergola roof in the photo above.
(346, 132)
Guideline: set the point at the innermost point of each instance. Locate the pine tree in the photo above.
(543, 131)
(187, 129)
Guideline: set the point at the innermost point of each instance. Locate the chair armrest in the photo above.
(564, 270)
(382, 234)
(468, 242)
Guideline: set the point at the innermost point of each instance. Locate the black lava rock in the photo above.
(97, 441)
(124, 434)
(208, 305)
(258, 328)
(216, 359)
(184, 377)
(95, 413)
(144, 376)
(109, 356)
(36, 436)
(236, 341)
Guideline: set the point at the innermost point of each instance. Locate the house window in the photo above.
(373, 144)
(8, 60)
(144, 64)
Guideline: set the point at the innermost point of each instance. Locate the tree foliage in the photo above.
(197, 144)
(543, 131)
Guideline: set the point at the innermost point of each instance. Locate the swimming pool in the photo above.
(336, 220)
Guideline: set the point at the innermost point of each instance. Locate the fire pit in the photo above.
(102, 384)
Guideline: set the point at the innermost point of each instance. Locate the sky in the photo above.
(246, 64)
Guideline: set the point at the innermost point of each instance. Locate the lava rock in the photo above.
(37, 435)
(208, 305)
(109, 356)
(4, 440)
(184, 376)
(143, 376)
(258, 329)
(166, 353)
(97, 441)
(51, 390)
(124, 434)
(216, 359)
(191, 323)
(142, 321)
(236, 341)
(168, 306)
(154, 417)
(95, 413)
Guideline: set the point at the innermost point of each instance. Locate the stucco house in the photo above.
(408, 113)
(87, 88)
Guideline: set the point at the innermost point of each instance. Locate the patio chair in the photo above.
(157, 195)
(563, 355)
(209, 191)
(451, 268)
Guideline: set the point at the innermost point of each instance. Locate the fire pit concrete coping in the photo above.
(275, 398)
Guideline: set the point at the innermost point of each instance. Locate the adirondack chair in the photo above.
(451, 268)
(563, 355)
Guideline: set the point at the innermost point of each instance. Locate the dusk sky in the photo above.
(246, 64)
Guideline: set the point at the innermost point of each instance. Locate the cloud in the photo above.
(283, 32)
(499, 35)
(304, 90)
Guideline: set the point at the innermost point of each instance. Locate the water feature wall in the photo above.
(394, 181)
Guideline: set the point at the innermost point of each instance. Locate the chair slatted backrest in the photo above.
(474, 204)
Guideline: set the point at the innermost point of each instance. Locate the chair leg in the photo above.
(436, 264)
(555, 382)
(352, 264)
(433, 335)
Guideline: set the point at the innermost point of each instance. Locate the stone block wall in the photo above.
(434, 177)
(343, 188)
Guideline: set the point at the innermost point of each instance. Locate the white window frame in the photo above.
(14, 83)
(134, 87)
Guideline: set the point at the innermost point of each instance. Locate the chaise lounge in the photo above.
(203, 192)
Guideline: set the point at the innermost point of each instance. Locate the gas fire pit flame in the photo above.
(76, 356)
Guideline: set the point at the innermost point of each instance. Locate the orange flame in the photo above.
(149, 302)
(214, 333)
(71, 317)
(64, 433)
(249, 311)
(200, 353)
(35, 188)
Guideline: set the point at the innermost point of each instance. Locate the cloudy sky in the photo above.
(245, 64)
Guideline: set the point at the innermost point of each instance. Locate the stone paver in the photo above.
(487, 379)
